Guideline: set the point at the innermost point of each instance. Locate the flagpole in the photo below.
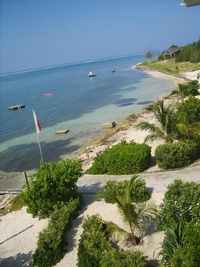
(39, 147)
(38, 129)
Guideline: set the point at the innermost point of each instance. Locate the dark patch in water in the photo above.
(125, 104)
(145, 102)
(124, 101)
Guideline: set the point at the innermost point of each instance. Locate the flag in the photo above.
(37, 124)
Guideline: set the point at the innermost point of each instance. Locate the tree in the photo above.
(148, 55)
(54, 183)
(185, 90)
(135, 215)
(166, 126)
(171, 124)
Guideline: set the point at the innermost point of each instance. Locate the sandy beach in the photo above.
(19, 231)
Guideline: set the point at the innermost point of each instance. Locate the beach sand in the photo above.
(19, 231)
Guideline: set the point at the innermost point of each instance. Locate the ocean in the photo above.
(64, 97)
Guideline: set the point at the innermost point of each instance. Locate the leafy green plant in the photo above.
(17, 202)
(52, 244)
(95, 250)
(178, 217)
(188, 253)
(123, 158)
(181, 204)
(138, 191)
(191, 109)
(93, 242)
(54, 183)
(177, 155)
(168, 122)
(123, 259)
(134, 215)
(173, 241)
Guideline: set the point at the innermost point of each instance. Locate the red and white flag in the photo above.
(37, 124)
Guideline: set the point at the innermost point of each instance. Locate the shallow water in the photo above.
(77, 103)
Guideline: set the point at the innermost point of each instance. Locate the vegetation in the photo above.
(138, 192)
(17, 202)
(135, 215)
(189, 53)
(123, 158)
(95, 250)
(179, 218)
(191, 109)
(148, 55)
(181, 204)
(189, 252)
(55, 183)
(184, 90)
(170, 123)
(177, 155)
(171, 66)
(52, 243)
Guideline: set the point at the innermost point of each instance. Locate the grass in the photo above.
(17, 202)
(170, 66)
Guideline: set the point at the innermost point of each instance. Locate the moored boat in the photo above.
(91, 74)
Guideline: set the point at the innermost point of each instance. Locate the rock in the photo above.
(109, 125)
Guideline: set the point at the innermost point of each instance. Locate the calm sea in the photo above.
(76, 102)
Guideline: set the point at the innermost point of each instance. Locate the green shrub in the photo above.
(177, 155)
(179, 218)
(189, 253)
(123, 259)
(95, 250)
(181, 204)
(122, 158)
(54, 183)
(138, 193)
(52, 244)
(93, 242)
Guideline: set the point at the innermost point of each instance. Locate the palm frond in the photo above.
(113, 229)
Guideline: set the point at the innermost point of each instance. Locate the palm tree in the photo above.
(135, 215)
(170, 123)
(181, 92)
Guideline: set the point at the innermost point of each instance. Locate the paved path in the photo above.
(156, 181)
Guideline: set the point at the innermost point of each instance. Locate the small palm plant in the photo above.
(135, 215)
(171, 123)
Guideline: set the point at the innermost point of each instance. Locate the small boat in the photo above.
(62, 131)
(49, 94)
(91, 74)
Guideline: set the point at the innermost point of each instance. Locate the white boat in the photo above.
(91, 74)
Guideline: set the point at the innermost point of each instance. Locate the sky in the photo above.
(41, 33)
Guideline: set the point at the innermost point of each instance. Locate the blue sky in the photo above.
(39, 33)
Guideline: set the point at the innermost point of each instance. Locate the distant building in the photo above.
(171, 52)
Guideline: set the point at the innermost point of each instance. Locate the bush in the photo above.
(138, 193)
(55, 183)
(122, 158)
(189, 253)
(95, 250)
(177, 155)
(52, 244)
(123, 259)
(93, 242)
(181, 204)
(179, 218)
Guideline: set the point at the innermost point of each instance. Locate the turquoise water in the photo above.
(77, 102)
